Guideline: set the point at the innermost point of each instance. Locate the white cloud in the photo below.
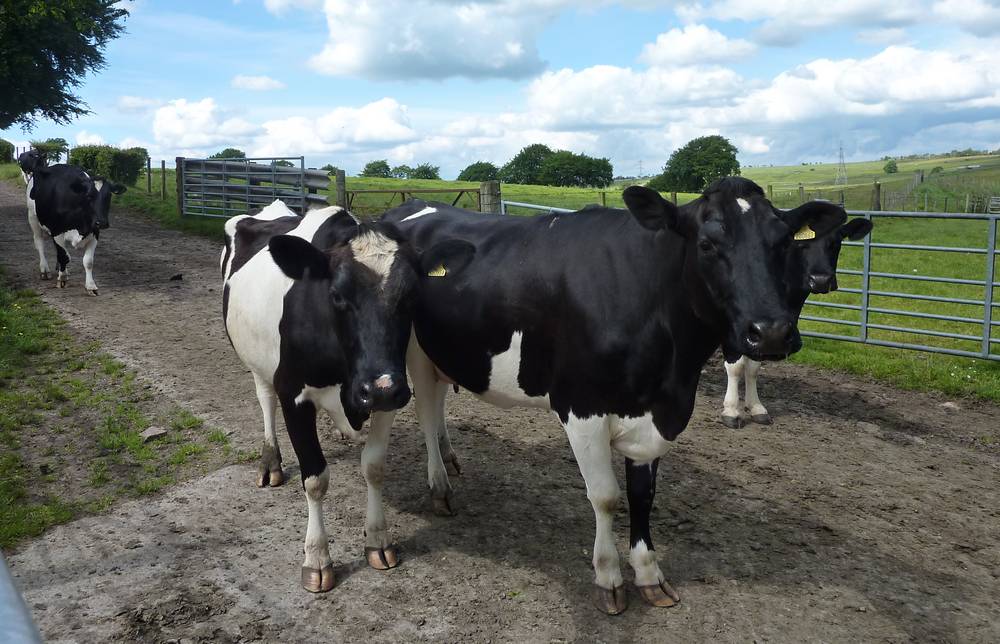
(278, 7)
(407, 39)
(256, 83)
(785, 22)
(197, 125)
(694, 44)
(976, 16)
(83, 137)
(137, 104)
(886, 36)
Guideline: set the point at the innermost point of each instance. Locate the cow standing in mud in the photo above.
(71, 207)
(607, 318)
(319, 308)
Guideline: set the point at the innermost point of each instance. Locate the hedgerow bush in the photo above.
(123, 166)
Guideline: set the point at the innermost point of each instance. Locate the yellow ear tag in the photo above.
(805, 233)
(441, 272)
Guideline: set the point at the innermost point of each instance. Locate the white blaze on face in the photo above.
(375, 251)
(426, 211)
(743, 204)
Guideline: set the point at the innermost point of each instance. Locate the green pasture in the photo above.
(910, 369)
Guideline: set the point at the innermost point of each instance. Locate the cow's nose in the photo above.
(821, 283)
(770, 338)
(386, 393)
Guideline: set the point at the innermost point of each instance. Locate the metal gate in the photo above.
(228, 187)
(951, 305)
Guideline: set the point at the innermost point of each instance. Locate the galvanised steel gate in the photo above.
(228, 187)
(947, 292)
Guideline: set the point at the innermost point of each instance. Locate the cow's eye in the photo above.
(706, 245)
(339, 302)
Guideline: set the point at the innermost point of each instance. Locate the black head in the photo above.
(99, 194)
(813, 262)
(736, 258)
(31, 161)
(368, 278)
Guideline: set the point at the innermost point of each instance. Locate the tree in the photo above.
(6, 151)
(377, 168)
(526, 165)
(282, 163)
(890, 167)
(330, 169)
(479, 171)
(425, 171)
(564, 168)
(698, 163)
(401, 171)
(46, 51)
(229, 153)
(51, 149)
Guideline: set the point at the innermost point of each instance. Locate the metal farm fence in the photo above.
(224, 188)
(958, 312)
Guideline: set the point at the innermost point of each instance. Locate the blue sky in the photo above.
(451, 82)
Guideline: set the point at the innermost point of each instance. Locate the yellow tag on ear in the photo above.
(805, 233)
(441, 272)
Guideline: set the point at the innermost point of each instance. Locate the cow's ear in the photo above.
(856, 229)
(447, 257)
(814, 218)
(298, 259)
(649, 208)
(117, 188)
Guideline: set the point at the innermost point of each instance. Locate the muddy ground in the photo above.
(817, 528)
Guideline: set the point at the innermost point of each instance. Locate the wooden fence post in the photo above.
(489, 197)
(673, 197)
(163, 179)
(340, 182)
(604, 198)
(802, 194)
(149, 175)
(770, 192)
(967, 202)
(843, 202)
(877, 196)
(179, 161)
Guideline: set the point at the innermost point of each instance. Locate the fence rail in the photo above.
(223, 188)
(974, 334)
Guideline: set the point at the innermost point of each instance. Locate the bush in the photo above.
(51, 149)
(565, 168)
(480, 171)
(6, 151)
(229, 153)
(936, 169)
(108, 161)
(425, 171)
(377, 168)
(890, 167)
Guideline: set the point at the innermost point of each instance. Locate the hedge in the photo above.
(108, 161)
(6, 151)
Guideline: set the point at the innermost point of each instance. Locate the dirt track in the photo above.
(814, 529)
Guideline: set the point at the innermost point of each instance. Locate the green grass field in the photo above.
(910, 369)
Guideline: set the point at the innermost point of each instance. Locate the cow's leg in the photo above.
(378, 549)
(269, 471)
(62, 263)
(758, 412)
(38, 236)
(731, 412)
(448, 455)
(317, 569)
(591, 442)
(88, 266)
(640, 479)
(430, 394)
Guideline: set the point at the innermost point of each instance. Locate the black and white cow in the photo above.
(71, 207)
(606, 317)
(812, 268)
(29, 161)
(319, 308)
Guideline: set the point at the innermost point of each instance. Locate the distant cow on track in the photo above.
(812, 268)
(71, 207)
(606, 317)
(319, 308)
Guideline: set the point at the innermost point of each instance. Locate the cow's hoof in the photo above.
(762, 419)
(660, 595)
(61, 282)
(45, 275)
(92, 291)
(442, 506)
(382, 558)
(270, 477)
(733, 422)
(611, 601)
(452, 466)
(318, 580)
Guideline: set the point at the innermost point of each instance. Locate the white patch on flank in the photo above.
(375, 251)
(426, 211)
(504, 391)
(328, 399)
(637, 438)
(69, 238)
(743, 204)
